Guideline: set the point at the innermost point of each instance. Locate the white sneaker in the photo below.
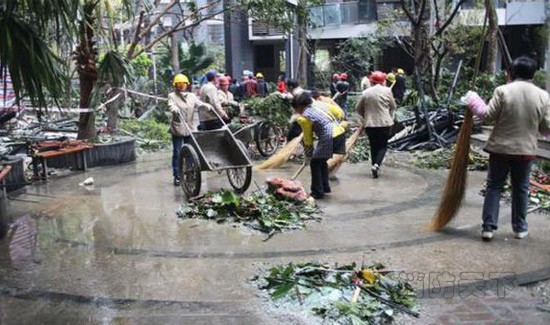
(375, 168)
(486, 235)
(521, 234)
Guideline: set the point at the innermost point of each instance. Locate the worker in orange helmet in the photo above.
(376, 107)
(334, 81)
(226, 97)
(342, 89)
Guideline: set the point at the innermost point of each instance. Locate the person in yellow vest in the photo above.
(323, 120)
(182, 104)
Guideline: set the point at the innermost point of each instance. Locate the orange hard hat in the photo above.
(378, 77)
(223, 81)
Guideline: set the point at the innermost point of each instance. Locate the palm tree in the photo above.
(32, 64)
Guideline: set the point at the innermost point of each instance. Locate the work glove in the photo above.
(475, 104)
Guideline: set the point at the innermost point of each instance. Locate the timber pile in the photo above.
(413, 133)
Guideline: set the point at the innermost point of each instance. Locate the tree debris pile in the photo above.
(273, 108)
(341, 294)
(150, 135)
(360, 152)
(260, 211)
(442, 158)
(539, 191)
(286, 189)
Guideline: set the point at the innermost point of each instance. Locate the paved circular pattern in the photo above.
(118, 250)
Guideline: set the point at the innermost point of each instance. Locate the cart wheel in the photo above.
(240, 178)
(190, 171)
(267, 138)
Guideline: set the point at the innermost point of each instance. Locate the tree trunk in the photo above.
(112, 110)
(86, 57)
(175, 60)
(303, 52)
(492, 40)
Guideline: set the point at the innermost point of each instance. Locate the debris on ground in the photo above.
(539, 191)
(344, 294)
(286, 189)
(412, 132)
(261, 211)
(541, 290)
(442, 158)
(360, 151)
(274, 108)
(150, 135)
(87, 181)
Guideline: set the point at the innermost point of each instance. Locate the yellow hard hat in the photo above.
(390, 77)
(259, 75)
(400, 71)
(180, 78)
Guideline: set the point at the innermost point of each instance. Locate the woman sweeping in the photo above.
(376, 107)
(316, 117)
(519, 110)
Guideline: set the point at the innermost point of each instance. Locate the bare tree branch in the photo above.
(441, 29)
(179, 26)
(136, 39)
(407, 12)
(421, 12)
(147, 28)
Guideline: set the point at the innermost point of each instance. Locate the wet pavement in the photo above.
(115, 252)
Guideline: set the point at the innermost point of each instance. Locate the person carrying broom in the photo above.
(316, 117)
(519, 110)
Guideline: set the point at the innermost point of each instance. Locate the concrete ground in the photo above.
(115, 252)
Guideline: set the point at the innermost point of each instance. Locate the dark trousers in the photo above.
(177, 143)
(210, 125)
(378, 140)
(319, 177)
(499, 167)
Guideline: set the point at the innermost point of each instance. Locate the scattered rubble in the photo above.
(539, 191)
(261, 211)
(343, 294)
(442, 158)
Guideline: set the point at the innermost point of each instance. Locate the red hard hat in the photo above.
(335, 76)
(344, 76)
(223, 81)
(378, 77)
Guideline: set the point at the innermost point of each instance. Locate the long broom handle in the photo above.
(454, 190)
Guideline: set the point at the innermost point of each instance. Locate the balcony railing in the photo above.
(263, 29)
(343, 13)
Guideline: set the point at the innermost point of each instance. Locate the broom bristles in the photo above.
(453, 194)
(336, 161)
(281, 156)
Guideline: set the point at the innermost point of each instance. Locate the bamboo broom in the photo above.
(453, 193)
(282, 155)
(336, 161)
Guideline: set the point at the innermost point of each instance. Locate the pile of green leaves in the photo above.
(327, 292)
(360, 151)
(442, 158)
(263, 212)
(150, 134)
(273, 108)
